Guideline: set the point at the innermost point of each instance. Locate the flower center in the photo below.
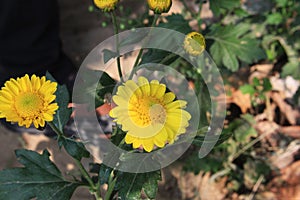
(29, 104)
(146, 110)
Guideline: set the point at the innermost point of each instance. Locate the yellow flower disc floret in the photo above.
(194, 43)
(28, 101)
(160, 6)
(106, 5)
(150, 115)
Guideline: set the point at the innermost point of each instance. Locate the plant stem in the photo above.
(116, 32)
(156, 16)
(85, 174)
(111, 186)
(55, 129)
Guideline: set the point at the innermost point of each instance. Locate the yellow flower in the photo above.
(160, 6)
(28, 101)
(194, 43)
(149, 114)
(106, 5)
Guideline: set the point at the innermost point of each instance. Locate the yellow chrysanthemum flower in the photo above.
(28, 101)
(160, 6)
(106, 5)
(194, 43)
(150, 116)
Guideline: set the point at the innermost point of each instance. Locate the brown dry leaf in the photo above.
(284, 158)
(270, 129)
(290, 192)
(292, 131)
(240, 99)
(291, 174)
(260, 71)
(201, 187)
(286, 109)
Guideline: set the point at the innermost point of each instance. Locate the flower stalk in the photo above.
(116, 32)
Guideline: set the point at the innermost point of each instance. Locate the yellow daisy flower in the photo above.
(28, 101)
(106, 5)
(150, 116)
(194, 43)
(160, 6)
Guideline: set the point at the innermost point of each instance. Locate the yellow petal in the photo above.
(148, 144)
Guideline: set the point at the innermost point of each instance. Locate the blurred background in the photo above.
(261, 160)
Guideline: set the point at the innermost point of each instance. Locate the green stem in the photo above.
(111, 186)
(156, 16)
(85, 174)
(116, 32)
(55, 129)
(167, 58)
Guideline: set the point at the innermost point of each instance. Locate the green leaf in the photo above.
(207, 164)
(141, 34)
(130, 185)
(267, 86)
(200, 138)
(104, 86)
(63, 113)
(231, 44)
(74, 148)
(218, 6)
(292, 69)
(104, 174)
(243, 128)
(176, 22)
(108, 54)
(39, 179)
(274, 19)
(247, 89)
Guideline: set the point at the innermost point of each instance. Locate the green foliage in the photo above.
(130, 185)
(210, 164)
(63, 113)
(219, 7)
(39, 178)
(74, 148)
(104, 87)
(231, 43)
(254, 168)
(108, 54)
(176, 22)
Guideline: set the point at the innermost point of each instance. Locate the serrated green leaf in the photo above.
(130, 185)
(231, 44)
(108, 54)
(247, 89)
(150, 185)
(74, 148)
(39, 179)
(217, 6)
(63, 113)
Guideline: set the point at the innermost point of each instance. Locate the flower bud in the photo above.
(106, 5)
(160, 6)
(194, 43)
